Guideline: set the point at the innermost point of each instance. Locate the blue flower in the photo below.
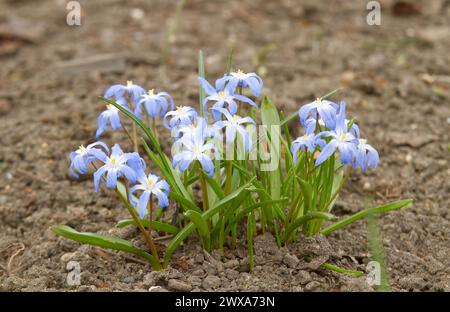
(118, 91)
(195, 148)
(308, 141)
(209, 131)
(239, 78)
(150, 184)
(222, 97)
(341, 139)
(234, 124)
(111, 115)
(326, 109)
(117, 165)
(154, 104)
(365, 156)
(83, 157)
(182, 116)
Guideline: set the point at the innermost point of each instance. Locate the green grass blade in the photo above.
(185, 203)
(307, 191)
(404, 203)
(104, 241)
(270, 117)
(201, 226)
(148, 132)
(341, 270)
(155, 225)
(215, 186)
(187, 230)
(302, 220)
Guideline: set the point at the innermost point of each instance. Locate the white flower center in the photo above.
(111, 107)
(197, 151)
(83, 149)
(129, 83)
(150, 183)
(343, 137)
(240, 74)
(113, 161)
(223, 95)
(362, 143)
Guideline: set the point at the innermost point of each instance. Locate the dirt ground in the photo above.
(396, 80)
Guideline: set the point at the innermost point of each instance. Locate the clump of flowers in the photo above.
(237, 147)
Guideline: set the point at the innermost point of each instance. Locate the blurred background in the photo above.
(395, 78)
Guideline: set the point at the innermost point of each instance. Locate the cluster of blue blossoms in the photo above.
(337, 133)
(193, 136)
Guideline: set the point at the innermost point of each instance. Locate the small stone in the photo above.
(198, 272)
(137, 13)
(303, 277)
(291, 260)
(199, 258)
(209, 268)
(128, 280)
(149, 280)
(67, 256)
(211, 282)
(219, 266)
(231, 274)
(312, 286)
(157, 289)
(178, 285)
(243, 266)
(195, 281)
(408, 158)
(367, 186)
(231, 264)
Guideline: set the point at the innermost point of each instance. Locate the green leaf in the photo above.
(307, 190)
(341, 270)
(201, 226)
(184, 202)
(215, 186)
(155, 225)
(187, 230)
(148, 132)
(270, 117)
(308, 217)
(104, 241)
(404, 203)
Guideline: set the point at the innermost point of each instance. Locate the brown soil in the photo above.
(396, 78)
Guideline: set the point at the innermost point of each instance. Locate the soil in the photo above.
(396, 80)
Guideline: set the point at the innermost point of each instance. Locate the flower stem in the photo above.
(154, 129)
(148, 237)
(134, 136)
(150, 215)
(229, 172)
(204, 192)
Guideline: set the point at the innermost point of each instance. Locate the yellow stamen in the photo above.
(129, 83)
(223, 94)
(82, 148)
(151, 92)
